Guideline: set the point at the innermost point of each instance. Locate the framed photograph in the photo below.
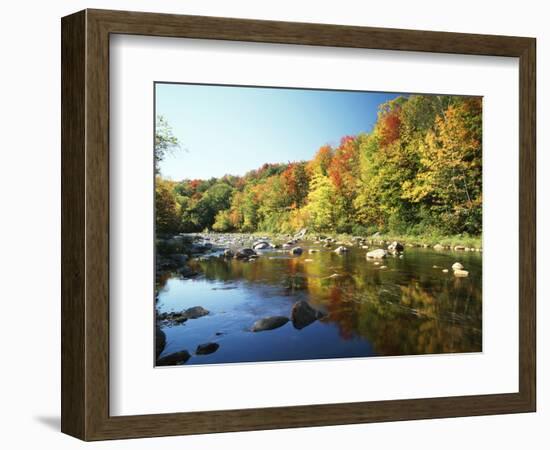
(272, 225)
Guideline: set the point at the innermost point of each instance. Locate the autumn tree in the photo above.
(295, 182)
(321, 208)
(449, 179)
(418, 170)
(343, 173)
(167, 210)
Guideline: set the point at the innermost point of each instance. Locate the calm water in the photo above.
(407, 309)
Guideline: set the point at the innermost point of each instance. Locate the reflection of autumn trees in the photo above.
(160, 279)
(342, 311)
(409, 320)
(410, 308)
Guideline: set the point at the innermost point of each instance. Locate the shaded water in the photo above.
(408, 308)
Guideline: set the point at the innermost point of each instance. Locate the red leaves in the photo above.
(295, 182)
(390, 124)
(344, 164)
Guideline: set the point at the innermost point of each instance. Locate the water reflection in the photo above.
(410, 307)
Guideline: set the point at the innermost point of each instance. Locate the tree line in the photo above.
(418, 171)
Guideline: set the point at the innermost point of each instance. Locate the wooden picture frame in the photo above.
(85, 224)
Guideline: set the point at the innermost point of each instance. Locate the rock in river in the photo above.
(457, 266)
(206, 349)
(172, 318)
(244, 253)
(261, 245)
(438, 247)
(197, 248)
(302, 314)
(160, 341)
(396, 247)
(269, 323)
(195, 312)
(460, 273)
(296, 251)
(377, 254)
(179, 258)
(174, 359)
(341, 249)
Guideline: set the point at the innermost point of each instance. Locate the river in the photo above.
(392, 307)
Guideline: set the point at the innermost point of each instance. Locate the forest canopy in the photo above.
(418, 171)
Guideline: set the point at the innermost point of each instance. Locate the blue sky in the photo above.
(231, 130)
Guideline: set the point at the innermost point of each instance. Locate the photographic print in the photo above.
(303, 224)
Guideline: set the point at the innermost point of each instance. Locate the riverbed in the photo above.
(399, 305)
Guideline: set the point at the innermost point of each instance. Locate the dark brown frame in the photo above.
(85, 224)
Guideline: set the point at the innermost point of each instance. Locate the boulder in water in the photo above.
(395, 247)
(245, 253)
(269, 323)
(174, 359)
(160, 341)
(460, 273)
(195, 312)
(302, 314)
(207, 349)
(296, 251)
(261, 245)
(377, 254)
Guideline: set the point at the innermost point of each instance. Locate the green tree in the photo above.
(165, 141)
(215, 199)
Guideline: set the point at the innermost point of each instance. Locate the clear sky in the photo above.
(231, 130)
